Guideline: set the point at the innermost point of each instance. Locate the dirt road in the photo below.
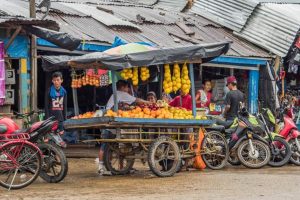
(231, 183)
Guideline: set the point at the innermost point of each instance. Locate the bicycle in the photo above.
(20, 161)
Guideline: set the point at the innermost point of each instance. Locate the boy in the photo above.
(56, 101)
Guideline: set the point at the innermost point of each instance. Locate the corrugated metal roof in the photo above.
(232, 14)
(273, 27)
(15, 8)
(106, 18)
(17, 21)
(174, 5)
(149, 15)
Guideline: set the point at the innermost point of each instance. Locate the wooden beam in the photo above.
(13, 37)
(185, 28)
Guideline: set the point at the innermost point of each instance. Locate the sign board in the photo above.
(10, 77)
(9, 96)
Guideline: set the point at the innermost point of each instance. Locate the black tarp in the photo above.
(200, 52)
(60, 39)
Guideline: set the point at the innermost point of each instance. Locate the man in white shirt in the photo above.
(123, 97)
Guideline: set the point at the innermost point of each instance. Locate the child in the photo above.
(56, 101)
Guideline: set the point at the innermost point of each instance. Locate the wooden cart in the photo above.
(164, 143)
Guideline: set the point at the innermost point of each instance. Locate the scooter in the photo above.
(46, 136)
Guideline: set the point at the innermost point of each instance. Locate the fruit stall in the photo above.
(158, 133)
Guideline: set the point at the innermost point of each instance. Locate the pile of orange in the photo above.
(161, 113)
(84, 116)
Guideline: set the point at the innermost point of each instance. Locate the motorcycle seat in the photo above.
(215, 127)
(3, 129)
(229, 131)
(23, 130)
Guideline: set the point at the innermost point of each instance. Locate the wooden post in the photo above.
(33, 53)
(75, 101)
(114, 88)
(191, 69)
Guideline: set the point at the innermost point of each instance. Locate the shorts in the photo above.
(106, 134)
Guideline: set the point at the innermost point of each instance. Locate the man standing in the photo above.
(232, 100)
(56, 101)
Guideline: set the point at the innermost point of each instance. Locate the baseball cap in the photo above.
(231, 79)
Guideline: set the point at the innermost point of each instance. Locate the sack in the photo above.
(198, 162)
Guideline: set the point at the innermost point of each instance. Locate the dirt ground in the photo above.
(230, 183)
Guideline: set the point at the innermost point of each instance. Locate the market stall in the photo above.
(179, 130)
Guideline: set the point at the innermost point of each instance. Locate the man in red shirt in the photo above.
(182, 101)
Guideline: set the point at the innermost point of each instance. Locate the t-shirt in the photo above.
(233, 99)
(56, 107)
(186, 102)
(122, 97)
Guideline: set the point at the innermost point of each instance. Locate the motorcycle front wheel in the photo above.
(257, 159)
(55, 165)
(281, 153)
(295, 158)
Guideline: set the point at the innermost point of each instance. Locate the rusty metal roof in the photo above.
(163, 28)
(19, 21)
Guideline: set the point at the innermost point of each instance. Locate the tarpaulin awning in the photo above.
(61, 39)
(194, 53)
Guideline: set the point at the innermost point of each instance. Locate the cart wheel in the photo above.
(115, 158)
(164, 157)
(215, 150)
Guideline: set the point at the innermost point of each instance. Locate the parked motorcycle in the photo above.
(245, 145)
(45, 134)
(287, 129)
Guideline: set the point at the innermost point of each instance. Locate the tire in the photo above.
(33, 164)
(282, 154)
(158, 156)
(53, 157)
(113, 151)
(264, 151)
(295, 158)
(233, 159)
(215, 149)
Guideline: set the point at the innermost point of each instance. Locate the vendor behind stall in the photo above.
(123, 96)
(204, 96)
(182, 101)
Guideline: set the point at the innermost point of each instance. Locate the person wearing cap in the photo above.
(233, 99)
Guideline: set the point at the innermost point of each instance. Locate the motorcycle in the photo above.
(245, 145)
(287, 129)
(45, 135)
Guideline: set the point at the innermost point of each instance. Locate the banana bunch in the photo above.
(135, 77)
(145, 74)
(126, 74)
(176, 78)
(167, 84)
(185, 80)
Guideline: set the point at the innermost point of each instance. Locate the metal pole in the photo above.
(114, 88)
(191, 69)
(33, 53)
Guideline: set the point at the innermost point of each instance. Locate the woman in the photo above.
(203, 96)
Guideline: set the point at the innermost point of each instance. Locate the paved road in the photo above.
(228, 184)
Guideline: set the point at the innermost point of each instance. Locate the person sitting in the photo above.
(182, 101)
(203, 96)
(151, 97)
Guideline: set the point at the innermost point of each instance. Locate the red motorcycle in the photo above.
(287, 129)
(49, 141)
